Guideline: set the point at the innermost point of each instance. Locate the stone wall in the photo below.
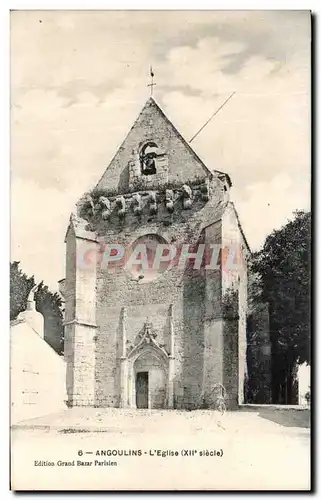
(183, 203)
(209, 348)
(152, 125)
(80, 319)
(234, 289)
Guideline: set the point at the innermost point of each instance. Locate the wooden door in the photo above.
(142, 390)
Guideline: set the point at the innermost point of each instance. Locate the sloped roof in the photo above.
(187, 143)
(152, 108)
(220, 210)
(79, 226)
(240, 226)
(25, 323)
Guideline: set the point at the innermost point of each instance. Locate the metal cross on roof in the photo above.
(151, 85)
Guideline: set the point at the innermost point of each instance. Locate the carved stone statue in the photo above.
(121, 204)
(169, 200)
(152, 202)
(187, 197)
(105, 203)
(205, 190)
(90, 202)
(137, 204)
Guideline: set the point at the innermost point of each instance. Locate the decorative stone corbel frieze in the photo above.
(169, 200)
(152, 202)
(121, 205)
(137, 204)
(187, 197)
(90, 202)
(106, 209)
(205, 191)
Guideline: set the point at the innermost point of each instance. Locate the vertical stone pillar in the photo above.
(80, 316)
(171, 361)
(213, 323)
(123, 363)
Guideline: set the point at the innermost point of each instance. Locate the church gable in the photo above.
(153, 154)
(156, 196)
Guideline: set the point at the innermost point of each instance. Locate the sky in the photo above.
(79, 80)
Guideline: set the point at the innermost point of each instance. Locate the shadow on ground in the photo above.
(287, 418)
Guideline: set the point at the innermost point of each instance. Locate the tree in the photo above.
(283, 265)
(48, 303)
(50, 306)
(20, 286)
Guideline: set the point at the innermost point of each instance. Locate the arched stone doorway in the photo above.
(149, 380)
(146, 373)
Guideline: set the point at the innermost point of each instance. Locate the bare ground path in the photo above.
(262, 449)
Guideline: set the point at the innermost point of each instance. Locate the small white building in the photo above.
(37, 372)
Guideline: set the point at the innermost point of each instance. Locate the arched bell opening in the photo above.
(147, 155)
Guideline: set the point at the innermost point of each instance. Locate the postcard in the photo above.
(160, 250)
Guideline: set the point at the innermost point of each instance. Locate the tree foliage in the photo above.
(47, 303)
(283, 265)
(20, 286)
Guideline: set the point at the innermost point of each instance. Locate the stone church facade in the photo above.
(163, 337)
